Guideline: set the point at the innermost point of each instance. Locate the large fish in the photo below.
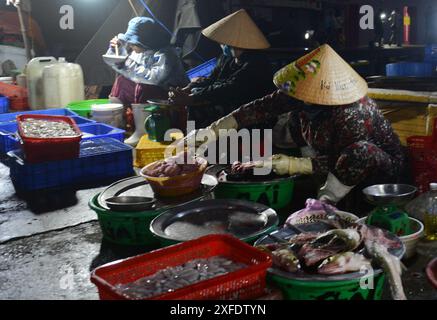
(343, 263)
(391, 265)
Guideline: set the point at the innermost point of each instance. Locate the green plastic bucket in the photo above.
(83, 108)
(276, 194)
(294, 289)
(126, 228)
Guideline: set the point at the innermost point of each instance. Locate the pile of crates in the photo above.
(103, 157)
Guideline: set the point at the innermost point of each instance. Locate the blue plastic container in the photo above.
(101, 130)
(80, 121)
(4, 104)
(11, 117)
(431, 53)
(101, 160)
(409, 69)
(203, 70)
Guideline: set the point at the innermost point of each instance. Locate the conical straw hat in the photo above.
(237, 30)
(321, 77)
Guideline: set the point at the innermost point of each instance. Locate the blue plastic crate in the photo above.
(80, 121)
(431, 53)
(4, 104)
(92, 130)
(101, 130)
(203, 70)
(100, 160)
(409, 69)
(11, 117)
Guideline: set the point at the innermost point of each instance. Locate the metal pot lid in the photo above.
(138, 186)
(287, 233)
(216, 171)
(242, 219)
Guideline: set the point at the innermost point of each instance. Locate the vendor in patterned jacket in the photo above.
(341, 132)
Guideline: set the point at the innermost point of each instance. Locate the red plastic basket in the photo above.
(423, 158)
(247, 283)
(49, 149)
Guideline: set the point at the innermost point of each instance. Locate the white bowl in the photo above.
(410, 241)
(113, 59)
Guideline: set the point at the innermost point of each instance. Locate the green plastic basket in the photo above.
(294, 289)
(83, 108)
(275, 194)
(126, 228)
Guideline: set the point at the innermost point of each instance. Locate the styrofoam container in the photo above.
(111, 114)
(410, 241)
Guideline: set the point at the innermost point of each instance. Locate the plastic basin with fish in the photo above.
(410, 241)
(126, 228)
(304, 286)
(178, 185)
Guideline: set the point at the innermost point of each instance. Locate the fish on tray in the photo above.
(340, 251)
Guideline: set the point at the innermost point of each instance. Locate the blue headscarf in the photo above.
(145, 33)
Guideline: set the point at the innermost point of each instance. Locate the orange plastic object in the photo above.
(17, 96)
(38, 150)
(244, 284)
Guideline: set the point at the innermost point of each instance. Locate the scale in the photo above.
(389, 200)
(160, 120)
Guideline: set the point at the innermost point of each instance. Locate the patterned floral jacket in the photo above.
(332, 132)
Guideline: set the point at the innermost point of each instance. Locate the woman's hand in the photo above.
(179, 97)
(115, 42)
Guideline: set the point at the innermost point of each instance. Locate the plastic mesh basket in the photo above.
(148, 151)
(423, 157)
(203, 70)
(247, 283)
(100, 160)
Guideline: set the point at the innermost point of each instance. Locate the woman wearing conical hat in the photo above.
(339, 129)
(242, 74)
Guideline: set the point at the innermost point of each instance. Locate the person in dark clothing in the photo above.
(342, 134)
(242, 74)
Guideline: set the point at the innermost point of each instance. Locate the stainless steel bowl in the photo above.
(385, 194)
(130, 204)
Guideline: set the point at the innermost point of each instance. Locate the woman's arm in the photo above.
(266, 108)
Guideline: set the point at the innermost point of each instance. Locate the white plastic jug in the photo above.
(63, 83)
(34, 72)
(111, 114)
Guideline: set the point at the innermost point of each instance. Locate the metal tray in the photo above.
(286, 233)
(138, 186)
(244, 219)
